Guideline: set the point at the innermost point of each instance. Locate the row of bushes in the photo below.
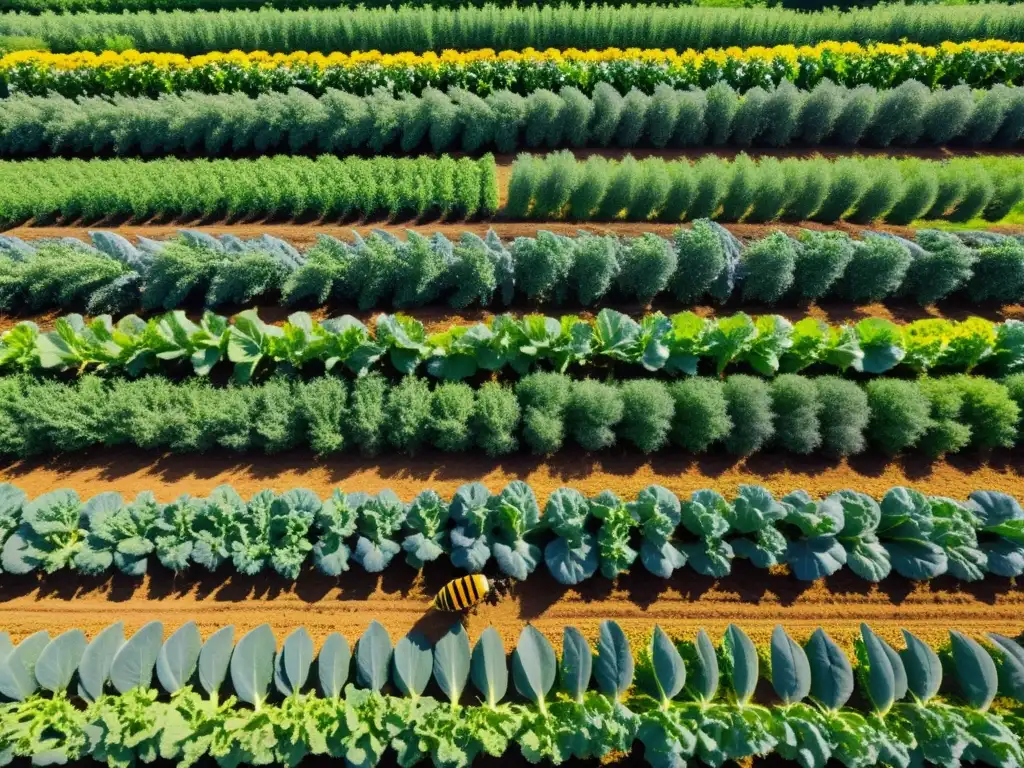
(271, 186)
(421, 29)
(703, 263)
(337, 122)
(857, 189)
(978, 64)
(543, 412)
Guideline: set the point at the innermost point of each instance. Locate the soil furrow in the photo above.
(627, 473)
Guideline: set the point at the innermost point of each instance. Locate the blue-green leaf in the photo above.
(489, 668)
(177, 659)
(252, 665)
(923, 668)
(17, 671)
(214, 659)
(373, 657)
(534, 666)
(1011, 671)
(413, 662)
(333, 664)
(577, 663)
(614, 668)
(975, 671)
(94, 669)
(704, 679)
(669, 670)
(831, 672)
(791, 672)
(744, 663)
(57, 664)
(133, 665)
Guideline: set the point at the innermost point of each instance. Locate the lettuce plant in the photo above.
(515, 516)
(573, 556)
(119, 534)
(754, 514)
(812, 528)
(335, 522)
(428, 520)
(51, 533)
(615, 535)
(657, 512)
(706, 516)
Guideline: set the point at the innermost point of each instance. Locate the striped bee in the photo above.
(468, 591)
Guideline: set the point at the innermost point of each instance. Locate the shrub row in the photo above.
(683, 344)
(700, 264)
(857, 189)
(296, 122)
(537, 26)
(575, 536)
(544, 412)
(978, 64)
(274, 186)
(227, 704)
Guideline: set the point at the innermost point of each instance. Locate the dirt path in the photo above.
(627, 473)
(751, 598)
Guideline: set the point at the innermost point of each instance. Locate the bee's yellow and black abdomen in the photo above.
(461, 593)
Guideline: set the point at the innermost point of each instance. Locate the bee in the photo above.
(468, 591)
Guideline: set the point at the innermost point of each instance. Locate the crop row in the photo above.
(234, 124)
(557, 186)
(269, 186)
(685, 701)
(701, 27)
(705, 263)
(683, 344)
(545, 412)
(542, 26)
(978, 64)
(907, 534)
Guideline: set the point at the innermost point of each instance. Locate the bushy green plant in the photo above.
(645, 266)
(692, 126)
(711, 181)
(773, 192)
(750, 118)
(807, 185)
(722, 104)
(877, 269)
(946, 433)
(849, 180)
(899, 414)
(797, 409)
(593, 411)
(701, 416)
(701, 259)
(543, 265)
(944, 267)
(654, 183)
(844, 416)
(948, 114)
(591, 185)
(998, 273)
(681, 191)
(622, 186)
(750, 411)
(821, 260)
(407, 414)
(543, 398)
(977, 193)
(820, 112)
(495, 419)
(365, 422)
(662, 115)
(781, 114)
(608, 108)
(451, 408)
(883, 190)
(555, 187)
(633, 122)
(527, 173)
(770, 266)
(595, 266)
(647, 414)
(741, 190)
(323, 403)
(989, 411)
(920, 190)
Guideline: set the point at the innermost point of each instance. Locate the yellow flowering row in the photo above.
(666, 57)
(979, 64)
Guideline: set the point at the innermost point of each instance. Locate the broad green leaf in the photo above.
(614, 667)
(975, 671)
(57, 664)
(669, 670)
(744, 663)
(333, 664)
(923, 668)
(831, 673)
(489, 667)
(534, 666)
(373, 657)
(252, 665)
(413, 662)
(176, 662)
(215, 658)
(881, 678)
(577, 664)
(1011, 671)
(791, 672)
(133, 665)
(704, 679)
(17, 671)
(292, 663)
(452, 662)
(94, 669)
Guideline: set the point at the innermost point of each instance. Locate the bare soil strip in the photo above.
(400, 600)
(625, 472)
